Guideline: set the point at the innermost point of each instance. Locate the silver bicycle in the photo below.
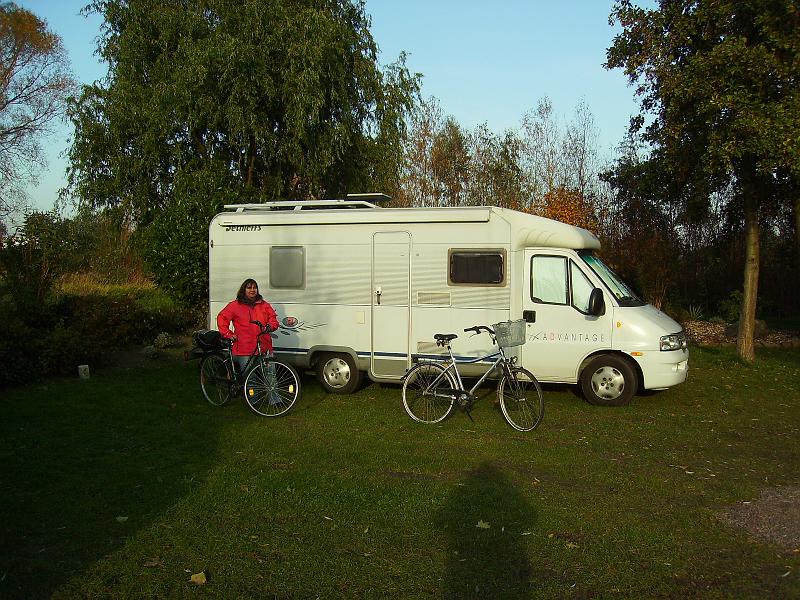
(431, 389)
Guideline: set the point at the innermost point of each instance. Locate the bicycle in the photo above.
(270, 387)
(430, 390)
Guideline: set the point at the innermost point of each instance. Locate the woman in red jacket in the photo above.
(249, 306)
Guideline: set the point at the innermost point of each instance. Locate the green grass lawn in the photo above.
(128, 484)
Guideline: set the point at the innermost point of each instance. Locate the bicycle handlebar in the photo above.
(264, 328)
(478, 328)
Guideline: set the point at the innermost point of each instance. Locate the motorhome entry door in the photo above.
(391, 303)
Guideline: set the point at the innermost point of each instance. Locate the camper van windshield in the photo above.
(624, 295)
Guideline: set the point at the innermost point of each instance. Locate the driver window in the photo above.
(549, 279)
(581, 288)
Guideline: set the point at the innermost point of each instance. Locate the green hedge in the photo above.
(67, 330)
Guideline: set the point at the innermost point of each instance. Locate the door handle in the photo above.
(378, 295)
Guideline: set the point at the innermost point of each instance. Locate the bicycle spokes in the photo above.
(271, 388)
(428, 393)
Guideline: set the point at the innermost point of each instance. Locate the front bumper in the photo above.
(663, 369)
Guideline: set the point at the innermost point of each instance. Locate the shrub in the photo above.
(695, 312)
(18, 342)
(729, 308)
(76, 328)
(175, 244)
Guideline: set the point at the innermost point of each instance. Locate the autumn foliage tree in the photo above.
(35, 81)
(570, 206)
(448, 165)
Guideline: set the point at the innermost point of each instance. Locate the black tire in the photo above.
(338, 373)
(428, 393)
(215, 380)
(521, 399)
(271, 388)
(608, 380)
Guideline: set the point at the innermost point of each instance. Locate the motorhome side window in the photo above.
(549, 279)
(477, 267)
(287, 267)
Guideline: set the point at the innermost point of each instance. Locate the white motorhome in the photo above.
(360, 288)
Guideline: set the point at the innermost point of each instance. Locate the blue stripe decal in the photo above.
(291, 350)
(461, 360)
(437, 357)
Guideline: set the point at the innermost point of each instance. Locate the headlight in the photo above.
(674, 341)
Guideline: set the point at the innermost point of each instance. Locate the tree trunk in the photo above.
(745, 341)
(251, 162)
(797, 226)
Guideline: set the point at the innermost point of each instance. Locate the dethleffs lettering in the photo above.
(243, 228)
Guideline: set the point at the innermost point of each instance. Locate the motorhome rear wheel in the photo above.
(338, 373)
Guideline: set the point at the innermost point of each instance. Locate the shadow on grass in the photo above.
(85, 465)
(486, 523)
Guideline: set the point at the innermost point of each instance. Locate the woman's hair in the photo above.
(240, 295)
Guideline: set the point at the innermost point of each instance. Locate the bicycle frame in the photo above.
(452, 365)
(227, 355)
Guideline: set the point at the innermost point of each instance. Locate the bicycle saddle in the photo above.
(444, 337)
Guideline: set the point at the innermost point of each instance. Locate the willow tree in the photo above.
(720, 82)
(214, 101)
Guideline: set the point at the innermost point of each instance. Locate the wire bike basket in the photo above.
(510, 333)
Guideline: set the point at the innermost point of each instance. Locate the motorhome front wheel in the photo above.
(608, 380)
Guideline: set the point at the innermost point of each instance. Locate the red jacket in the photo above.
(244, 331)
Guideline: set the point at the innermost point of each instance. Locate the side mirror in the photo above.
(597, 305)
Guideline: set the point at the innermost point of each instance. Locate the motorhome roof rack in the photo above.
(351, 201)
(370, 197)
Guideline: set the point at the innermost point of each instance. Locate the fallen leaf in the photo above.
(482, 525)
(572, 545)
(199, 578)
(121, 519)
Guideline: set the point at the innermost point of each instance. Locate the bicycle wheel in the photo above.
(215, 379)
(271, 388)
(521, 399)
(428, 394)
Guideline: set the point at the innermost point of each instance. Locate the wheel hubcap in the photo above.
(608, 382)
(336, 373)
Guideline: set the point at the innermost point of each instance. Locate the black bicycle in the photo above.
(270, 387)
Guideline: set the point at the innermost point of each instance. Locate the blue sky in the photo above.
(485, 63)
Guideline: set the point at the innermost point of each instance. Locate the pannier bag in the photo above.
(208, 340)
